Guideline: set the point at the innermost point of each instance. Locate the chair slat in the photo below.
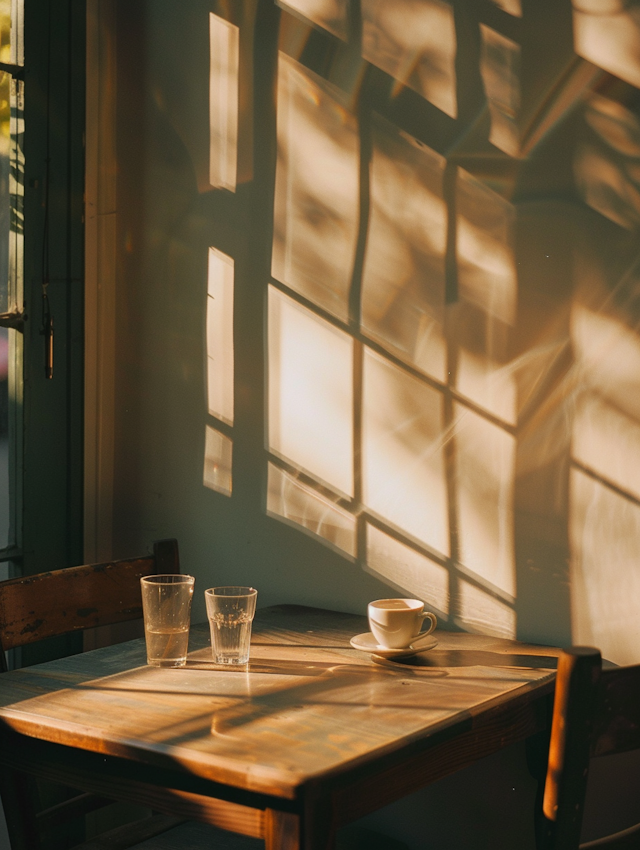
(81, 804)
(627, 839)
(63, 601)
(77, 598)
(616, 726)
(56, 603)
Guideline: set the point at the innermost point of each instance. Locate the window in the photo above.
(41, 286)
(11, 270)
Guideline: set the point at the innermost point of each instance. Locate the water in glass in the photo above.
(230, 611)
(230, 638)
(167, 647)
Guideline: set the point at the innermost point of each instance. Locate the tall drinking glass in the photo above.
(230, 611)
(166, 607)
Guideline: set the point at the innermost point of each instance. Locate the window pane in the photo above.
(5, 31)
(11, 32)
(10, 195)
(16, 192)
(5, 175)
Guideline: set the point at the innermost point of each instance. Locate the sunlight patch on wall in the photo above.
(485, 471)
(488, 289)
(224, 40)
(310, 393)
(607, 441)
(483, 375)
(297, 503)
(604, 529)
(316, 199)
(220, 336)
(403, 466)
(486, 268)
(407, 570)
(604, 509)
(415, 43)
(217, 461)
(480, 611)
(606, 163)
(511, 7)
(607, 33)
(608, 356)
(331, 15)
(403, 279)
(500, 71)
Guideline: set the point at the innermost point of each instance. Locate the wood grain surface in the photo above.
(306, 708)
(78, 598)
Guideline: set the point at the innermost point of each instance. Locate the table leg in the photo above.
(281, 830)
(319, 827)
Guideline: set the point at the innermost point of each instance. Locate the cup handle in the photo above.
(427, 615)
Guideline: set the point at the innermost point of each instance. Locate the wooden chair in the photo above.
(50, 604)
(596, 712)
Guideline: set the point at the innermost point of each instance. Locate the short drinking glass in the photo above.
(230, 611)
(166, 606)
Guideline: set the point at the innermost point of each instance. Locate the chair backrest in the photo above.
(596, 712)
(46, 605)
(63, 601)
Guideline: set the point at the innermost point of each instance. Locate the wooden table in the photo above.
(312, 735)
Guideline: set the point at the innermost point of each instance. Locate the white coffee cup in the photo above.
(396, 623)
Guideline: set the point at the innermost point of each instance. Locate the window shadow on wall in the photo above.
(451, 308)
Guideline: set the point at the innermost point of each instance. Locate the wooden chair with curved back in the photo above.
(596, 713)
(33, 608)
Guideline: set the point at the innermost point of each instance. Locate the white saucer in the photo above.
(367, 643)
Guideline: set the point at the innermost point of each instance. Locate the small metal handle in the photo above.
(14, 320)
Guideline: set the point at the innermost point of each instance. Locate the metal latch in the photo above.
(15, 320)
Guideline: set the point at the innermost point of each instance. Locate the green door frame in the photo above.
(51, 510)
